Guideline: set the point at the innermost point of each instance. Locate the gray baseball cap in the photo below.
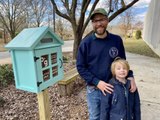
(98, 11)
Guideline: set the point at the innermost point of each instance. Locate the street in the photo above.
(67, 47)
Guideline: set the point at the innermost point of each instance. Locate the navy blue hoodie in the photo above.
(95, 56)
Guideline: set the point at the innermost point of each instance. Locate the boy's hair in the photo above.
(121, 61)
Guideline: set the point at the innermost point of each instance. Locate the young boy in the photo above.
(121, 104)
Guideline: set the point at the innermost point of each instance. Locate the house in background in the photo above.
(151, 31)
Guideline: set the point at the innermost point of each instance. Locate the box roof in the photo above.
(30, 37)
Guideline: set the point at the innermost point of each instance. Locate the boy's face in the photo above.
(120, 71)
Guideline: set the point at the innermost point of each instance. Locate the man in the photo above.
(96, 53)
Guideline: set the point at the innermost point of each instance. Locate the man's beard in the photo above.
(101, 32)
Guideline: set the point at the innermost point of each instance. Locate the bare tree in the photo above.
(138, 25)
(60, 28)
(126, 22)
(37, 11)
(70, 12)
(78, 14)
(12, 15)
(4, 34)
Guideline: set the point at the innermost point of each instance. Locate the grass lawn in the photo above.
(139, 47)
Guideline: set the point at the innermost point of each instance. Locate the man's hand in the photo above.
(133, 84)
(105, 87)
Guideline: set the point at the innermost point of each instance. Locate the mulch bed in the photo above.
(22, 105)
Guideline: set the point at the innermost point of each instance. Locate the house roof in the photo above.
(30, 37)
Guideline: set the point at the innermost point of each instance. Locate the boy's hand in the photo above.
(105, 87)
(133, 84)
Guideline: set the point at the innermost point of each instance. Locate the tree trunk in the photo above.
(13, 34)
(4, 36)
(77, 41)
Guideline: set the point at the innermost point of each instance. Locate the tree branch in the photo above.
(110, 7)
(73, 9)
(66, 5)
(123, 3)
(58, 12)
(85, 4)
(88, 19)
(122, 10)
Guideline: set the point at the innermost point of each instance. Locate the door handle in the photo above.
(61, 62)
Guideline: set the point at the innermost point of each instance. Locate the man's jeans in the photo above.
(93, 101)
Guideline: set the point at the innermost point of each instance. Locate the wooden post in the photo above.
(43, 103)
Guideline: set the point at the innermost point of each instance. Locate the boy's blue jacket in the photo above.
(95, 56)
(121, 104)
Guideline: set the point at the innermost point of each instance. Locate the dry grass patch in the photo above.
(139, 47)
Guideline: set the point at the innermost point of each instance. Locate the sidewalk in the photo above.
(5, 61)
(147, 76)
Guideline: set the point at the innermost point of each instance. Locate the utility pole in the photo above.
(54, 28)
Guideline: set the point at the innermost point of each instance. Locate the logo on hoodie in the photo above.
(113, 52)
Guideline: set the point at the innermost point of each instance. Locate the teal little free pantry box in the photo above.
(37, 59)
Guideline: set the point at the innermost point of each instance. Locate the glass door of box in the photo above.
(49, 66)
